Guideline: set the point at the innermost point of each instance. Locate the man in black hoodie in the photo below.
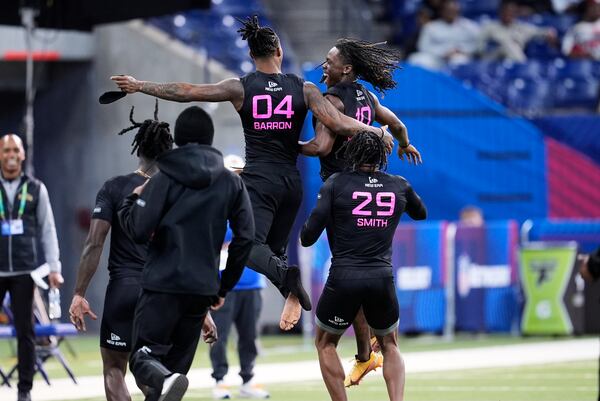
(183, 212)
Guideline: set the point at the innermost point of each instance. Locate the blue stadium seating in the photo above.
(214, 31)
(576, 93)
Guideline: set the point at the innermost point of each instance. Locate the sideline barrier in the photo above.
(554, 291)
(479, 263)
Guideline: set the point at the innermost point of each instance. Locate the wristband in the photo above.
(405, 146)
(382, 133)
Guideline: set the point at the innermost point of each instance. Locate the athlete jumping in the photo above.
(272, 106)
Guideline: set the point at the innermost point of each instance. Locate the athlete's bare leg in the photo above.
(393, 366)
(362, 333)
(331, 367)
(114, 368)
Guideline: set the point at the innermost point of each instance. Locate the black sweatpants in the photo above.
(166, 330)
(241, 308)
(20, 289)
(276, 194)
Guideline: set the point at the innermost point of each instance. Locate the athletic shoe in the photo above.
(174, 388)
(293, 282)
(221, 391)
(250, 390)
(360, 369)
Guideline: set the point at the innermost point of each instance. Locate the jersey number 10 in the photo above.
(284, 107)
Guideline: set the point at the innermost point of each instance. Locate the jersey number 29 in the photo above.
(386, 201)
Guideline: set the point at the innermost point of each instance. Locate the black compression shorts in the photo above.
(119, 307)
(342, 298)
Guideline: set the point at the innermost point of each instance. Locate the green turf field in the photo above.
(556, 382)
(553, 382)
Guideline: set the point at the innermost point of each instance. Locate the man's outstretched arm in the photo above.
(228, 90)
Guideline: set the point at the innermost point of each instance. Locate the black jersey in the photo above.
(272, 115)
(126, 257)
(361, 211)
(359, 104)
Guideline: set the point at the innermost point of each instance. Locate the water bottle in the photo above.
(54, 311)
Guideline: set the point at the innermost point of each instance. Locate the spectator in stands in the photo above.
(583, 39)
(451, 39)
(506, 38)
(26, 218)
(471, 216)
(590, 271)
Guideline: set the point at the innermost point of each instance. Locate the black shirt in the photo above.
(361, 211)
(183, 213)
(358, 104)
(126, 257)
(272, 116)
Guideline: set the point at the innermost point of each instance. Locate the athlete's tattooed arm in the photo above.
(385, 116)
(324, 139)
(325, 112)
(228, 90)
(88, 265)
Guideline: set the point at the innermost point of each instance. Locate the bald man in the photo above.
(26, 217)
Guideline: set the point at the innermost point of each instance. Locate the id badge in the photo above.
(5, 228)
(16, 227)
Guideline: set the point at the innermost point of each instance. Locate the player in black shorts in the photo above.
(125, 262)
(272, 106)
(361, 208)
(348, 61)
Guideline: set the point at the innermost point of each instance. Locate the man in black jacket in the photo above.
(183, 211)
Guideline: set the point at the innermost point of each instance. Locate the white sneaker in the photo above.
(174, 388)
(221, 391)
(251, 390)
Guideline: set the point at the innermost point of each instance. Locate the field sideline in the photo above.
(470, 368)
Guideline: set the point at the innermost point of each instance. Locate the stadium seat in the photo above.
(576, 93)
(577, 69)
(528, 95)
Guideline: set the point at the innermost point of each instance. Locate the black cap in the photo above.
(194, 125)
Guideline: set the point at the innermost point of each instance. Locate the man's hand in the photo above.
(127, 83)
(55, 279)
(218, 304)
(388, 140)
(79, 308)
(209, 330)
(411, 153)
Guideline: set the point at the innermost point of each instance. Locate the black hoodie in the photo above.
(183, 212)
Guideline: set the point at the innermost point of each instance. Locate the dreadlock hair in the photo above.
(153, 137)
(365, 148)
(369, 62)
(262, 40)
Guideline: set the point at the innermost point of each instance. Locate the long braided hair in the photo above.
(262, 40)
(365, 148)
(370, 63)
(153, 137)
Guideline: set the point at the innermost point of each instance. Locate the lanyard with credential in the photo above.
(21, 204)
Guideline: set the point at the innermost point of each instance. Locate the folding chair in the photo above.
(49, 337)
